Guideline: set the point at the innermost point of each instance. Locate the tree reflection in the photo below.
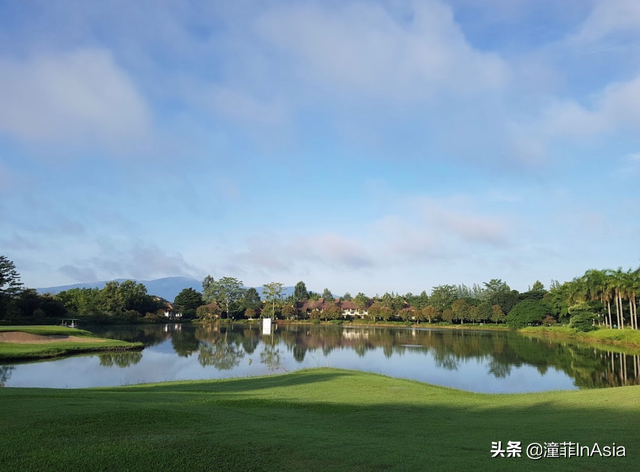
(299, 352)
(221, 354)
(270, 356)
(499, 369)
(120, 359)
(250, 341)
(5, 373)
(184, 342)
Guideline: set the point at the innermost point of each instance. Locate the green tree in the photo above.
(460, 310)
(134, 297)
(208, 312)
(484, 311)
(300, 292)
(538, 287)
(187, 302)
(327, 295)
(361, 301)
(110, 301)
(497, 315)
(431, 313)
(331, 312)
(272, 296)
(227, 292)
(417, 301)
(443, 296)
(448, 315)
(10, 284)
(251, 299)
(528, 312)
(347, 296)
(408, 314)
(289, 311)
(582, 317)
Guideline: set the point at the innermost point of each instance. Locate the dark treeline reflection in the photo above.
(120, 359)
(5, 373)
(225, 346)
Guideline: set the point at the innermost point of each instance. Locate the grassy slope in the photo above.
(15, 351)
(48, 330)
(323, 419)
(613, 337)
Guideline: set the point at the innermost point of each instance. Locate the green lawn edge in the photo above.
(624, 338)
(321, 419)
(16, 352)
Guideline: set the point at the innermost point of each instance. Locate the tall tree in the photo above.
(110, 300)
(361, 301)
(251, 299)
(460, 310)
(187, 302)
(443, 296)
(300, 292)
(227, 291)
(10, 284)
(327, 295)
(272, 293)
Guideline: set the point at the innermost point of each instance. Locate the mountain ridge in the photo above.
(165, 287)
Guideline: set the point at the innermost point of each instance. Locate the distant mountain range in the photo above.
(167, 287)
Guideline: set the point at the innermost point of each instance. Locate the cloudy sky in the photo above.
(356, 145)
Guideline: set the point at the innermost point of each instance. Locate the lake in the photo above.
(473, 360)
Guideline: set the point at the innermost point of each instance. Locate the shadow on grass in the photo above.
(323, 420)
(297, 378)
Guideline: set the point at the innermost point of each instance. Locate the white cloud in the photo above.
(275, 252)
(136, 260)
(360, 48)
(425, 231)
(607, 18)
(616, 108)
(81, 97)
(449, 220)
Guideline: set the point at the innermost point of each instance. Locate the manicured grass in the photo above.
(48, 330)
(620, 337)
(324, 419)
(18, 351)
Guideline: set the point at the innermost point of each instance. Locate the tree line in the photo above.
(599, 297)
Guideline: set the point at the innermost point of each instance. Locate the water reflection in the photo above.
(5, 373)
(120, 359)
(481, 361)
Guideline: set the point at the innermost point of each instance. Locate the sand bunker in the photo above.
(18, 337)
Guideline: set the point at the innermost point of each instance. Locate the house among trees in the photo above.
(169, 312)
(346, 307)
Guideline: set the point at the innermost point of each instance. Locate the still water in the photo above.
(478, 361)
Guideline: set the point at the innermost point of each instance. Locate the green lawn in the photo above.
(323, 419)
(17, 351)
(612, 337)
(48, 330)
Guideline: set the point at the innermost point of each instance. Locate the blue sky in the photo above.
(357, 145)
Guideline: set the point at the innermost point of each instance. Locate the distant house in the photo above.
(170, 313)
(348, 307)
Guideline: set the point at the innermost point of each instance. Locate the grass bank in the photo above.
(68, 341)
(324, 420)
(613, 337)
